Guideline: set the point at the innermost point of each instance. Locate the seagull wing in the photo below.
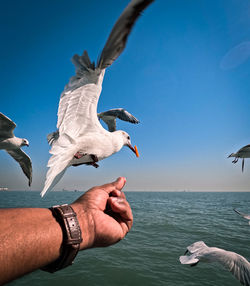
(77, 112)
(110, 121)
(6, 126)
(246, 216)
(235, 263)
(244, 151)
(78, 102)
(24, 161)
(109, 117)
(126, 116)
(118, 37)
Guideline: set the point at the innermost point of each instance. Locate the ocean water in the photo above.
(164, 224)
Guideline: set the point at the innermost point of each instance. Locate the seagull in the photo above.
(81, 138)
(13, 144)
(232, 261)
(109, 117)
(246, 216)
(244, 152)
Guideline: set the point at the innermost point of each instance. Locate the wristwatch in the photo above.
(72, 237)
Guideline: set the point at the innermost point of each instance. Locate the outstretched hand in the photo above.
(104, 214)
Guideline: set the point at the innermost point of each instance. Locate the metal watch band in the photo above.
(72, 237)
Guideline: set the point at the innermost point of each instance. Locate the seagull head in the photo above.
(127, 142)
(25, 142)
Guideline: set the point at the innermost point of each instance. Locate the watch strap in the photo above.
(72, 237)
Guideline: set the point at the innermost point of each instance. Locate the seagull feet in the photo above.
(95, 159)
(92, 164)
(235, 160)
(79, 155)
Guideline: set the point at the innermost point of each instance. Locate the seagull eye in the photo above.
(128, 138)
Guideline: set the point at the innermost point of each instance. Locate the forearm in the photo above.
(29, 239)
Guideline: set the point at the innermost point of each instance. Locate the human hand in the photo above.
(104, 214)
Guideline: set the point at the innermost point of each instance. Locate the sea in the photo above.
(165, 223)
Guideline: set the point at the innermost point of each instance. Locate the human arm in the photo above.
(31, 238)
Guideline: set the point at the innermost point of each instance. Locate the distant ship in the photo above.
(3, 189)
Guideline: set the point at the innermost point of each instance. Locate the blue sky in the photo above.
(184, 74)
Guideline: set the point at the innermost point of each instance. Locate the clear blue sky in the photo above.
(185, 74)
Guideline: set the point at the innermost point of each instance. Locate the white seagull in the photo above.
(81, 137)
(12, 145)
(246, 216)
(109, 117)
(231, 261)
(244, 152)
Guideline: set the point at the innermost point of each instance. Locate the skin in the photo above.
(104, 215)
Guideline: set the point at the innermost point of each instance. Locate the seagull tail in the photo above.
(189, 259)
(51, 182)
(82, 63)
(58, 163)
(194, 249)
(196, 246)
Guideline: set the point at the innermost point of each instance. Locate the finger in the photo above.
(121, 206)
(116, 185)
(115, 193)
(122, 195)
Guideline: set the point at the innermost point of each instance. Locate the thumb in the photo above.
(119, 183)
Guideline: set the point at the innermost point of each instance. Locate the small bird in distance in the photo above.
(12, 145)
(243, 153)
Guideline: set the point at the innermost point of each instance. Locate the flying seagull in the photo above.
(244, 152)
(109, 117)
(13, 144)
(246, 216)
(232, 261)
(81, 138)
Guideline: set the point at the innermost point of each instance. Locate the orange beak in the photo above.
(136, 151)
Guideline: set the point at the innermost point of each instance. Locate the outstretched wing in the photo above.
(118, 37)
(109, 117)
(245, 151)
(6, 126)
(246, 216)
(237, 265)
(77, 110)
(24, 161)
(78, 104)
(110, 121)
